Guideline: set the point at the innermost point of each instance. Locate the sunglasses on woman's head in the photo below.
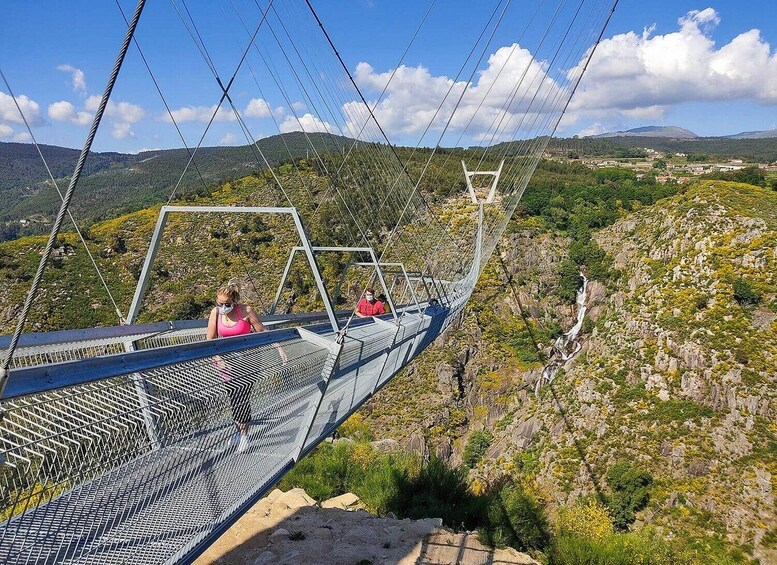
(224, 304)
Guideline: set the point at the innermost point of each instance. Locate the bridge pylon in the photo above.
(468, 175)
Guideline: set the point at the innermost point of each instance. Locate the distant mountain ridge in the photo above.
(754, 134)
(674, 132)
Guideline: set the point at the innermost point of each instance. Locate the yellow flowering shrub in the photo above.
(590, 520)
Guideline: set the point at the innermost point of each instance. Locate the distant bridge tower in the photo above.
(491, 189)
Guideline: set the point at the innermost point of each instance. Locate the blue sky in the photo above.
(709, 67)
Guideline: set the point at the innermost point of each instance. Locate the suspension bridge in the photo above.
(115, 441)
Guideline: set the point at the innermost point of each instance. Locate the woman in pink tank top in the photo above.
(227, 319)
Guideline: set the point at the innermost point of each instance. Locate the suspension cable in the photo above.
(364, 101)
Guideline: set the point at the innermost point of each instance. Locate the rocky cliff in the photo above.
(676, 375)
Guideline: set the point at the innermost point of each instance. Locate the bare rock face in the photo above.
(444, 450)
(417, 444)
(295, 498)
(386, 445)
(347, 501)
(448, 377)
(698, 468)
(525, 432)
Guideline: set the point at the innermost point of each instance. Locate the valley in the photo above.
(673, 386)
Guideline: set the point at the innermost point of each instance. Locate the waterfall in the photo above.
(566, 345)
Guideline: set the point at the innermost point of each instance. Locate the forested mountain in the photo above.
(771, 133)
(700, 148)
(115, 183)
(672, 132)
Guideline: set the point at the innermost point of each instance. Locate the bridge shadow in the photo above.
(593, 477)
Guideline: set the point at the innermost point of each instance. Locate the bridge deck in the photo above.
(164, 502)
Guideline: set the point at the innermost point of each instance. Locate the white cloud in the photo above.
(498, 99)
(257, 108)
(228, 139)
(124, 112)
(201, 114)
(594, 129)
(631, 77)
(121, 114)
(9, 112)
(78, 78)
(5, 131)
(299, 106)
(22, 137)
(64, 111)
(308, 123)
(122, 130)
(641, 76)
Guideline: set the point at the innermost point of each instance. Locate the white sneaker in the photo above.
(234, 439)
(242, 445)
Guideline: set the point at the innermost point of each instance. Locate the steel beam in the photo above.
(153, 248)
(404, 273)
(494, 181)
(285, 274)
(308, 249)
(42, 378)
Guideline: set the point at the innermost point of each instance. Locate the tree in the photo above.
(477, 445)
(570, 280)
(630, 493)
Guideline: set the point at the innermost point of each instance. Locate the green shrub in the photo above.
(635, 548)
(515, 519)
(355, 428)
(439, 491)
(477, 445)
(630, 493)
(679, 410)
(389, 483)
(570, 281)
(324, 474)
(744, 293)
(527, 461)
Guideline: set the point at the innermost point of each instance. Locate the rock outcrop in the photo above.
(291, 528)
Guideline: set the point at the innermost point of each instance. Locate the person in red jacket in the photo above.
(369, 305)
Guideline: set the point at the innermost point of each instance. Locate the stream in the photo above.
(566, 345)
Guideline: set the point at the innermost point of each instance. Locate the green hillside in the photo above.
(706, 148)
(115, 183)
